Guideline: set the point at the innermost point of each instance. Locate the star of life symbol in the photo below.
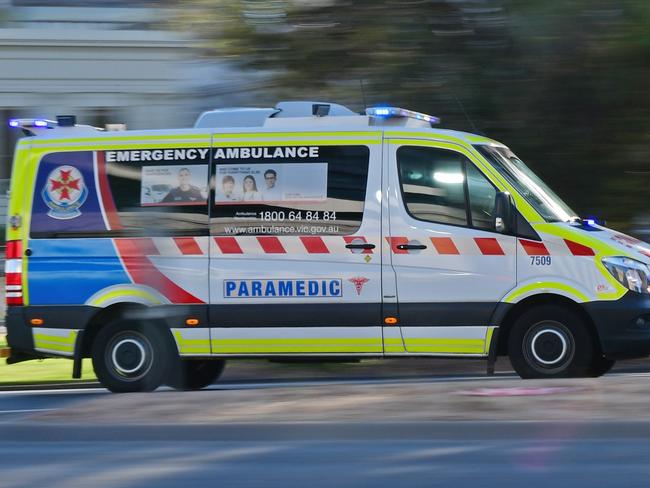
(64, 192)
(358, 282)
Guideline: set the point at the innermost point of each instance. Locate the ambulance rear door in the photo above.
(295, 244)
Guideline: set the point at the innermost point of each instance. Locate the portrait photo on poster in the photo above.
(271, 183)
(174, 185)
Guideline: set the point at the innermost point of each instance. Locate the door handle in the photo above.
(404, 247)
(360, 246)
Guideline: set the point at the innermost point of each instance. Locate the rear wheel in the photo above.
(194, 374)
(130, 356)
(550, 341)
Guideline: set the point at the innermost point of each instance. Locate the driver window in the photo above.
(432, 182)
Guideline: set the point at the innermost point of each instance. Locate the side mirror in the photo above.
(504, 213)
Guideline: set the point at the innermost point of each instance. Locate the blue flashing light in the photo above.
(40, 123)
(590, 222)
(400, 112)
(13, 123)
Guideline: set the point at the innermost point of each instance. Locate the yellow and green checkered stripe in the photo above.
(297, 346)
(191, 345)
(56, 341)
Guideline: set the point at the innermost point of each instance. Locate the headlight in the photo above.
(632, 274)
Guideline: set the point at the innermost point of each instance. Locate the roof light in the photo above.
(590, 222)
(388, 112)
(27, 124)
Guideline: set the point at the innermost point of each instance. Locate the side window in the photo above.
(315, 190)
(432, 182)
(481, 198)
(159, 197)
(91, 194)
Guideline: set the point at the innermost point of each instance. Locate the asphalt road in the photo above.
(329, 454)
(20, 403)
(377, 455)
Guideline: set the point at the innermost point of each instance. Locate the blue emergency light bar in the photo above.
(28, 123)
(390, 112)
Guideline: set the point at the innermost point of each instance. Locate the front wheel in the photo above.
(130, 356)
(551, 342)
(195, 374)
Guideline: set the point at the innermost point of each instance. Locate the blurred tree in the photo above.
(565, 85)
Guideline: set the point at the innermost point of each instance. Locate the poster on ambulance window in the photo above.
(271, 183)
(174, 185)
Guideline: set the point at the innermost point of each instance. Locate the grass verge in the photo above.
(42, 371)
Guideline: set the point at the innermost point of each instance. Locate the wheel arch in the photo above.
(103, 317)
(507, 314)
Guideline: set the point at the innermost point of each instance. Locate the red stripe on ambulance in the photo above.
(228, 245)
(489, 246)
(444, 245)
(578, 249)
(133, 253)
(271, 245)
(314, 245)
(188, 246)
(146, 246)
(534, 248)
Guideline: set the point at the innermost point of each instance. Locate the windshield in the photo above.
(528, 184)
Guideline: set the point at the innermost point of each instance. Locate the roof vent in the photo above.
(310, 109)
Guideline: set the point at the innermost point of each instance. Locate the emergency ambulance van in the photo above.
(305, 231)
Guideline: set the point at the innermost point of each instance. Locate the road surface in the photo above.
(334, 432)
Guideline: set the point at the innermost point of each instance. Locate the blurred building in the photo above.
(105, 61)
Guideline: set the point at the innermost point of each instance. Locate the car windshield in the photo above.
(528, 184)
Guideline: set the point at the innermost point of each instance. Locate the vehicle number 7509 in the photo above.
(540, 260)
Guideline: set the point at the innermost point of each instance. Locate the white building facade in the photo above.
(109, 63)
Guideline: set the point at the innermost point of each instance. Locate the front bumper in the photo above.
(623, 325)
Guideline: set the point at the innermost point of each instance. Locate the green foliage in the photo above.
(42, 371)
(565, 84)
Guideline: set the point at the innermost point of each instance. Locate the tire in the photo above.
(131, 356)
(601, 366)
(551, 341)
(195, 374)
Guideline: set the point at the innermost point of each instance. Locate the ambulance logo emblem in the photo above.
(65, 192)
(358, 282)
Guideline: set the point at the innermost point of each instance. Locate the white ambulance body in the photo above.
(306, 230)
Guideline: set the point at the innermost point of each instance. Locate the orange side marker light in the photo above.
(390, 320)
(36, 321)
(192, 322)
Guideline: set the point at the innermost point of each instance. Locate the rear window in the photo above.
(109, 194)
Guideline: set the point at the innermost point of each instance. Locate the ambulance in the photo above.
(305, 231)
